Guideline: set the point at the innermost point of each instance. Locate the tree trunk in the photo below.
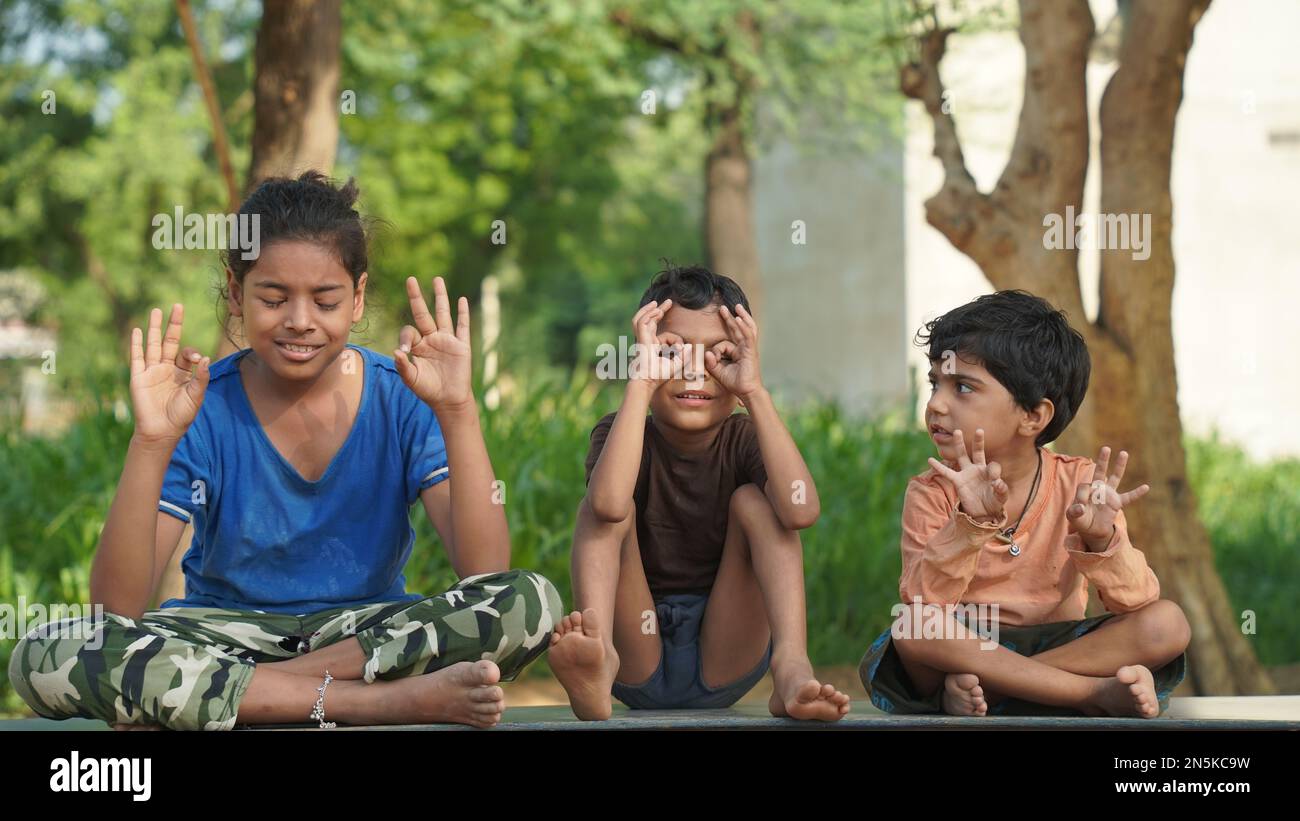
(295, 100)
(296, 91)
(1132, 399)
(728, 209)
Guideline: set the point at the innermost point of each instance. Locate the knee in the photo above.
(42, 669)
(538, 594)
(748, 505)
(916, 631)
(1163, 627)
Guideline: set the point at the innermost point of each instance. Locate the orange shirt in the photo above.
(949, 558)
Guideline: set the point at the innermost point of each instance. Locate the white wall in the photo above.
(1236, 250)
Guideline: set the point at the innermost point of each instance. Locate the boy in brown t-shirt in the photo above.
(687, 564)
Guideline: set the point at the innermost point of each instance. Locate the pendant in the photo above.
(1005, 538)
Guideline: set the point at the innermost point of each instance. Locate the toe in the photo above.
(590, 626)
(487, 672)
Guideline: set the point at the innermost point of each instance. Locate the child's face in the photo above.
(298, 305)
(670, 405)
(970, 398)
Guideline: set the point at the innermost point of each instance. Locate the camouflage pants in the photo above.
(188, 667)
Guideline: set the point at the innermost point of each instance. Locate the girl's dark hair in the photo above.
(311, 209)
(1025, 344)
(694, 287)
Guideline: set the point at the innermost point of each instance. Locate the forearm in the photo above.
(121, 572)
(941, 568)
(1118, 570)
(786, 469)
(613, 479)
(479, 533)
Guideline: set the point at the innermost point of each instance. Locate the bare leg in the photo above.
(1130, 691)
(461, 693)
(605, 640)
(344, 659)
(1152, 636)
(759, 594)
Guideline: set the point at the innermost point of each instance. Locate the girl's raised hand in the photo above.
(437, 366)
(167, 383)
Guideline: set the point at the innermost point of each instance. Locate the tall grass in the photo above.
(54, 494)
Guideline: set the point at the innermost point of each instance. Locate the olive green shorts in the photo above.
(891, 690)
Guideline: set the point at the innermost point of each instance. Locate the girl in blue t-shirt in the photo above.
(296, 460)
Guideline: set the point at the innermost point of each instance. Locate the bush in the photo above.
(56, 493)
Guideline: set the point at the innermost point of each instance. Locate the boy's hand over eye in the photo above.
(1092, 515)
(654, 361)
(166, 388)
(980, 487)
(734, 362)
(438, 365)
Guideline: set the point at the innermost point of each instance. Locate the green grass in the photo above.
(56, 492)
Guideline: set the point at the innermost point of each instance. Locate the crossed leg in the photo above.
(1097, 673)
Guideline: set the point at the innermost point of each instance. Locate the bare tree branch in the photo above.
(219, 144)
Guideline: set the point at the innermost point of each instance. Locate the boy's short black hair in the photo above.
(1025, 343)
(694, 287)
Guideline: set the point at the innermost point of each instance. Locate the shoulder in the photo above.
(381, 366)
(739, 426)
(930, 487)
(220, 400)
(1070, 470)
(606, 422)
(386, 383)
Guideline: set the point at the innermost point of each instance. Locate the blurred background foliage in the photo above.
(467, 113)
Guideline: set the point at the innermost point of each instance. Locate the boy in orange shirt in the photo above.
(1013, 528)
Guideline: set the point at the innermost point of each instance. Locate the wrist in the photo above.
(454, 411)
(1098, 544)
(639, 391)
(152, 443)
(758, 394)
(986, 518)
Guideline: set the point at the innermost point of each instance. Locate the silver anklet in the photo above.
(318, 712)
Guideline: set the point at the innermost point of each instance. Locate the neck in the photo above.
(1019, 466)
(286, 390)
(686, 441)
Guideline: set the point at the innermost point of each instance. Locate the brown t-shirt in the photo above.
(682, 500)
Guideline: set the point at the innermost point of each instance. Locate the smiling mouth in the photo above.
(693, 395)
(298, 348)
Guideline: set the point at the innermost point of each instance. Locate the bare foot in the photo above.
(1132, 692)
(462, 693)
(963, 696)
(797, 694)
(584, 665)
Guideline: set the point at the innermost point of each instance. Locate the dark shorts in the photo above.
(678, 683)
(891, 690)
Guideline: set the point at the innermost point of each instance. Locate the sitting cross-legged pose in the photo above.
(1010, 529)
(297, 460)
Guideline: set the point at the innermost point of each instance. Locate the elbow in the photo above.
(609, 511)
(802, 517)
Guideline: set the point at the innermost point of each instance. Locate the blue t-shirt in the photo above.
(267, 539)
